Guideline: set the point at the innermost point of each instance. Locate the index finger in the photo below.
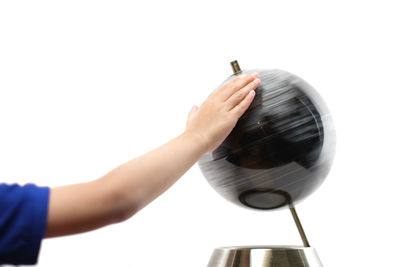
(236, 84)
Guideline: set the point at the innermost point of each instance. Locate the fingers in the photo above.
(236, 84)
(244, 104)
(238, 96)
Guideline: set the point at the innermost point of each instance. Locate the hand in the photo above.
(218, 115)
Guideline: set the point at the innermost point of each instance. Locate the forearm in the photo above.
(123, 191)
(143, 179)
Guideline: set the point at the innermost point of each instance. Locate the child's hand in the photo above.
(217, 116)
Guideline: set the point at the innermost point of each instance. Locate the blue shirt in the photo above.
(23, 216)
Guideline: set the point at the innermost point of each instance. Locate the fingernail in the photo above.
(255, 75)
(252, 93)
(256, 81)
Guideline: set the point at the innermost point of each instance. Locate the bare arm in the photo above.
(130, 187)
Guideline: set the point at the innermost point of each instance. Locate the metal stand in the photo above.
(268, 256)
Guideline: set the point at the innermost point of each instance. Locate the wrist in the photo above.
(198, 139)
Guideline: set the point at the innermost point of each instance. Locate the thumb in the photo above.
(192, 112)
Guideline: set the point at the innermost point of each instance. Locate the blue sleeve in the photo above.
(23, 216)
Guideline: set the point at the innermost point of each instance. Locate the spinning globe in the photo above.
(280, 150)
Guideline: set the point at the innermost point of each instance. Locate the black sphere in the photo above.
(281, 149)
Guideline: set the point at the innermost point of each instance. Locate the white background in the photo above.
(87, 85)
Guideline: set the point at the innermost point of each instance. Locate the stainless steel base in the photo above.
(271, 256)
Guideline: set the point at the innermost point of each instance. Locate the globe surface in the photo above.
(281, 149)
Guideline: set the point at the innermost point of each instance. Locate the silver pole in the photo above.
(298, 224)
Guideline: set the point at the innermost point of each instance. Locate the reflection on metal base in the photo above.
(259, 256)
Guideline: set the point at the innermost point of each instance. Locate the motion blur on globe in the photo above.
(281, 149)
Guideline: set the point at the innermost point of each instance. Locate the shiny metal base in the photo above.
(271, 256)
